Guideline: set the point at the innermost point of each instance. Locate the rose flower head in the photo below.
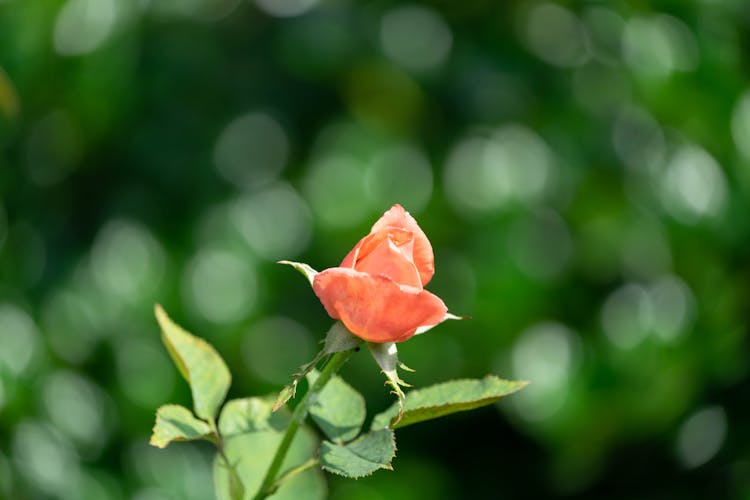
(378, 290)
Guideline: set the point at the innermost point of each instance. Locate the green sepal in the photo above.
(307, 271)
(386, 356)
(340, 339)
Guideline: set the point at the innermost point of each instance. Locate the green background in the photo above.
(581, 168)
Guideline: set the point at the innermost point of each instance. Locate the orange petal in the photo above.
(360, 249)
(398, 218)
(370, 242)
(389, 260)
(376, 308)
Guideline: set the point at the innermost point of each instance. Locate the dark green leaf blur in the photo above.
(582, 169)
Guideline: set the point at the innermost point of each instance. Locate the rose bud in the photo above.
(378, 290)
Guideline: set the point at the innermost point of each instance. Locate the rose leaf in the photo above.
(177, 423)
(361, 457)
(199, 363)
(339, 409)
(446, 398)
(253, 414)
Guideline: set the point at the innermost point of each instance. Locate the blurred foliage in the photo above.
(582, 169)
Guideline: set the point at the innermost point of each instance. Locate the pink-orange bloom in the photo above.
(377, 291)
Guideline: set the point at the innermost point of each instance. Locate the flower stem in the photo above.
(269, 484)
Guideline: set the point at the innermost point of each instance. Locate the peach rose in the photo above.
(378, 290)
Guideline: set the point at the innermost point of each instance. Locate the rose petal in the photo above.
(353, 255)
(376, 308)
(398, 218)
(388, 260)
(370, 242)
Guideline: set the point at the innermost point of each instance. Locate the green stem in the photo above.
(236, 489)
(269, 485)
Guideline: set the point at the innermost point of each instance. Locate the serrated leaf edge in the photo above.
(361, 403)
(387, 466)
(393, 424)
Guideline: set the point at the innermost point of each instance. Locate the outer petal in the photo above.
(376, 308)
(399, 218)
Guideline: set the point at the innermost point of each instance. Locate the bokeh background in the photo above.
(582, 169)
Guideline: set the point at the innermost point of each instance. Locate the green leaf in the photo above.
(446, 398)
(177, 423)
(339, 409)
(239, 416)
(305, 269)
(199, 364)
(250, 454)
(361, 457)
